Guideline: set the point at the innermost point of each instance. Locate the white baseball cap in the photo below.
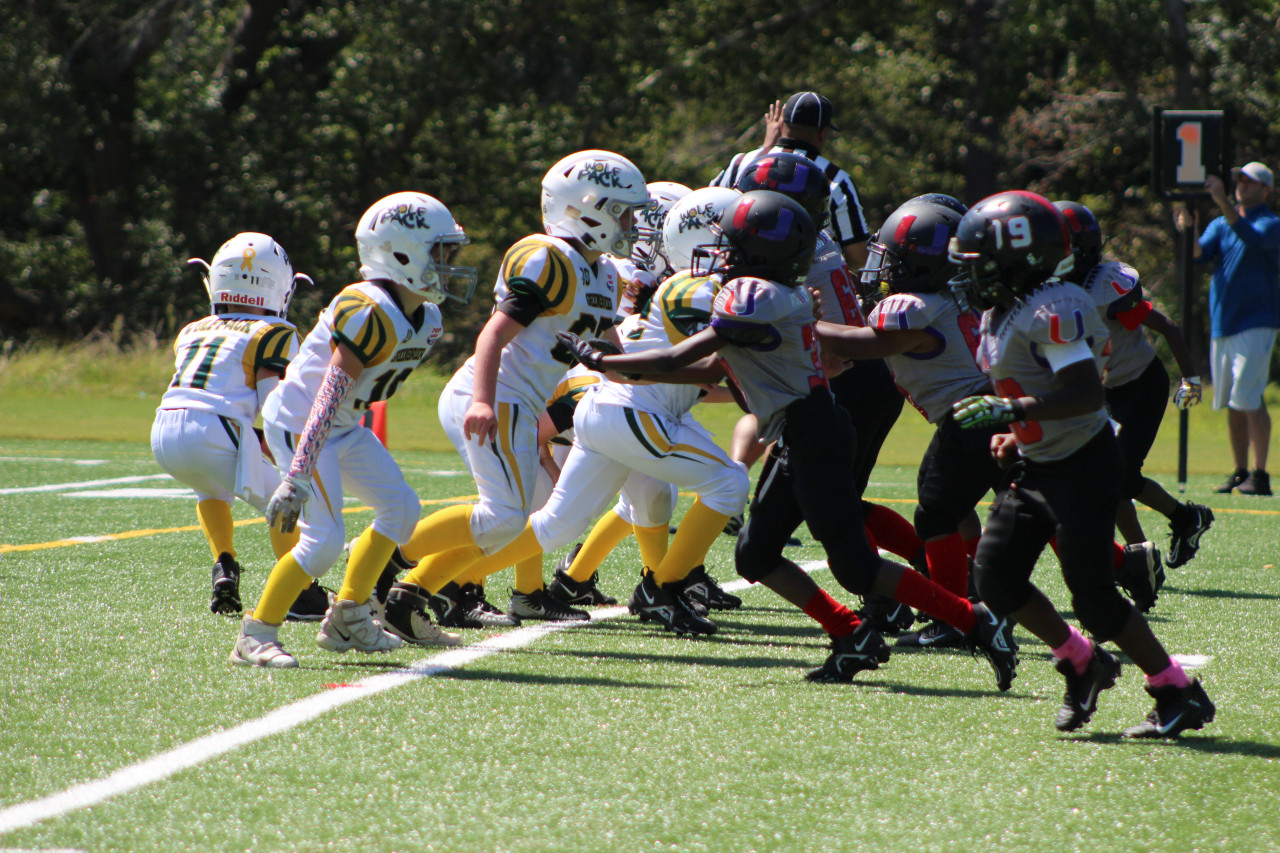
(1256, 171)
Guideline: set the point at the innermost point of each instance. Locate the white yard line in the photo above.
(82, 484)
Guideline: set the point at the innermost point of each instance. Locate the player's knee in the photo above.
(1102, 610)
(317, 556)
(752, 563)
(728, 494)
(397, 518)
(495, 526)
(930, 524)
(1000, 591)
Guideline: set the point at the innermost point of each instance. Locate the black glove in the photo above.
(582, 352)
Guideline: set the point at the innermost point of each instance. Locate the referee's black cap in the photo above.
(808, 109)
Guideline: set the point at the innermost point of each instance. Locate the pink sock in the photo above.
(1076, 649)
(1173, 674)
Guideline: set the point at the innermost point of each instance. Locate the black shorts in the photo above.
(956, 471)
(1073, 499)
(809, 476)
(867, 392)
(1138, 407)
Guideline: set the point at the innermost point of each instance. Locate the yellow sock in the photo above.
(215, 521)
(471, 575)
(284, 584)
(443, 530)
(600, 542)
(521, 551)
(529, 574)
(369, 554)
(653, 545)
(698, 530)
(438, 569)
(282, 543)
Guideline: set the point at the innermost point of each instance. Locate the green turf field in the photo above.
(125, 728)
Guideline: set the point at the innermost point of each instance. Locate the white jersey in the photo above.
(1118, 294)
(933, 380)
(829, 275)
(774, 358)
(678, 310)
(1012, 353)
(571, 295)
(573, 386)
(218, 359)
(635, 281)
(370, 322)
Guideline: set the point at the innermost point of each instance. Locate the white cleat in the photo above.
(259, 645)
(349, 625)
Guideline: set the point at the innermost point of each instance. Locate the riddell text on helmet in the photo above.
(240, 299)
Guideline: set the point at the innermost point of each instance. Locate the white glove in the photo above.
(286, 504)
(986, 410)
(1188, 393)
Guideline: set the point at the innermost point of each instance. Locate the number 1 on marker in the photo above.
(1191, 167)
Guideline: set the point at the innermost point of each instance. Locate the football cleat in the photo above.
(1141, 575)
(851, 654)
(936, 635)
(1184, 541)
(734, 524)
(259, 645)
(540, 605)
(350, 625)
(1177, 709)
(1081, 698)
(667, 606)
(705, 590)
(451, 609)
(226, 586)
(1237, 477)
(311, 604)
(478, 608)
(1257, 483)
(885, 615)
(580, 593)
(993, 636)
(405, 616)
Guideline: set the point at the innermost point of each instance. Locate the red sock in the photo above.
(891, 531)
(916, 590)
(948, 563)
(836, 619)
(1117, 555)
(1173, 674)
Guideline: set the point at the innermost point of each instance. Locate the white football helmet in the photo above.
(250, 270)
(648, 249)
(411, 238)
(592, 197)
(688, 223)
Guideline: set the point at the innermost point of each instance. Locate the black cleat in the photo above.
(1081, 698)
(478, 608)
(1237, 477)
(1141, 575)
(405, 616)
(226, 586)
(993, 636)
(451, 608)
(886, 615)
(667, 606)
(705, 590)
(1257, 483)
(311, 604)
(541, 605)
(851, 654)
(578, 593)
(936, 635)
(1177, 709)
(1184, 541)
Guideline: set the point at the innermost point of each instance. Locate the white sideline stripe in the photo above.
(83, 484)
(166, 764)
(84, 462)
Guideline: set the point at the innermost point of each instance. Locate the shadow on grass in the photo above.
(1208, 744)
(1243, 594)
(526, 678)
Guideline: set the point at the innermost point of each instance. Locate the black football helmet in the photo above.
(909, 252)
(943, 199)
(763, 234)
(1086, 237)
(796, 177)
(1007, 245)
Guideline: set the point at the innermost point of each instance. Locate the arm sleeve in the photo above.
(524, 301)
(1065, 355)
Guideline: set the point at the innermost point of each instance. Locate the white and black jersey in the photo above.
(848, 223)
(1117, 292)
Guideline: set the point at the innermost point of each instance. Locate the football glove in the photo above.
(286, 504)
(1189, 392)
(582, 352)
(987, 410)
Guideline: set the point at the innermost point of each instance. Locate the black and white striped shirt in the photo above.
(847, 220)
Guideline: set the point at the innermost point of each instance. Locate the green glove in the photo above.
(987, 410)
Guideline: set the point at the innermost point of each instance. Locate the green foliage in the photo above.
(138, 133)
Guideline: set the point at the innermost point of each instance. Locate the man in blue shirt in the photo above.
(1243, 244)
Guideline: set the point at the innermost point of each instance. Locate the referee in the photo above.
(806, 123)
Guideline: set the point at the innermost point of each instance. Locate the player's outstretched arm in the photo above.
(865, 342)
(649, 362)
